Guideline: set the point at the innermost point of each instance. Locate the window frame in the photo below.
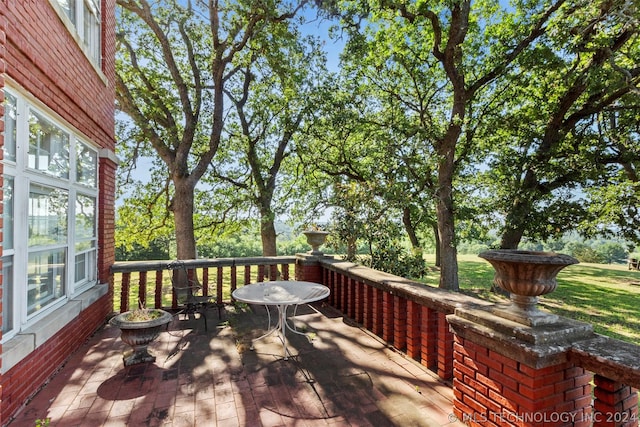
(88, 38)
(24, 178)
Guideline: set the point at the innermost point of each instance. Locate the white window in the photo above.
(84, 18)
(8, 312)
(50, 214)
(10, 120)
(48, 146)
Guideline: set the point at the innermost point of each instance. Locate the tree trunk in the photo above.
(409, 228)
(444, 205)
(449, 257)
(517, 218)
(182, 207)
(352, 248)
(436, 236)
(512, 236)
(268, 235)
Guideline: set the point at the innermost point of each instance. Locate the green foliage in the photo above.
(565, 134)
(583, 252)
(156, 249)
(542, 138)
(247, 244)
(392, 257)
(362, 219)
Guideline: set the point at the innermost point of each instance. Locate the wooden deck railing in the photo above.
(149, 282)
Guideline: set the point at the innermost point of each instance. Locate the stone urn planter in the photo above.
(138, 329)
(315, 238)
(526, 275)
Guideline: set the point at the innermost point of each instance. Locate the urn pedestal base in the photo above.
(523, 310)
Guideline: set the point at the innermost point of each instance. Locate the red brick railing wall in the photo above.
(490, 386)
(397, 310)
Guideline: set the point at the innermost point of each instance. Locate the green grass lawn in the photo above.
(607, 296)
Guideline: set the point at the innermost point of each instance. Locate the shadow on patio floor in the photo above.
(345, 377)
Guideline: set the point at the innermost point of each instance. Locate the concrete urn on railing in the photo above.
(526, 275)
(315, 238)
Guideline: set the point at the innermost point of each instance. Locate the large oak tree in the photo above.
(176, 61)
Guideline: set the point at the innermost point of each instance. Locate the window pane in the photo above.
(47, 215)
(85, 245)
(81, 268)
(69, 7)
(7, 214)
(7, 294)
(86, 267)
(92, 28)
(85, 217)
(48, 147)
(46, 278)
(86, 165)
(10, 118)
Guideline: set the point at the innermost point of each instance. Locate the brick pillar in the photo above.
(341, 293)
(399, 323)
(367, 315)
(359, 302)
(308, 268)
(413, 330)
(445, 348)
(506, 373)
(387, 317)
(331, 283)
(429, 347)
(377, 314)
(616, 404)
(350, 299)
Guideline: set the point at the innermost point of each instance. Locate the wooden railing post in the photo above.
(124, 292)
(158, 289)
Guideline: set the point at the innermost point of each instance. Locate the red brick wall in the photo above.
(308, 269)
(422, 332)
(106, 224)
(42, 57)
(27, 377)
(493, 389)
(39, 54)
(616, 404)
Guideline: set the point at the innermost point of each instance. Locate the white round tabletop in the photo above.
(281, 293)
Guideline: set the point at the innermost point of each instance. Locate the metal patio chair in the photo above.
(188, 293)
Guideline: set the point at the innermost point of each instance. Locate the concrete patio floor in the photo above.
(345, 377)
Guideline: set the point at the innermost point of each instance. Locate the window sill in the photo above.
(25, 342)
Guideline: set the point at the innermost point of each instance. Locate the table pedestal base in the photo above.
(281, 328)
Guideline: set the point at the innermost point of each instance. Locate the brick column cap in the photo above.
(535, 346)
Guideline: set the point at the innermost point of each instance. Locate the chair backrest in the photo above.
(183, 286)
